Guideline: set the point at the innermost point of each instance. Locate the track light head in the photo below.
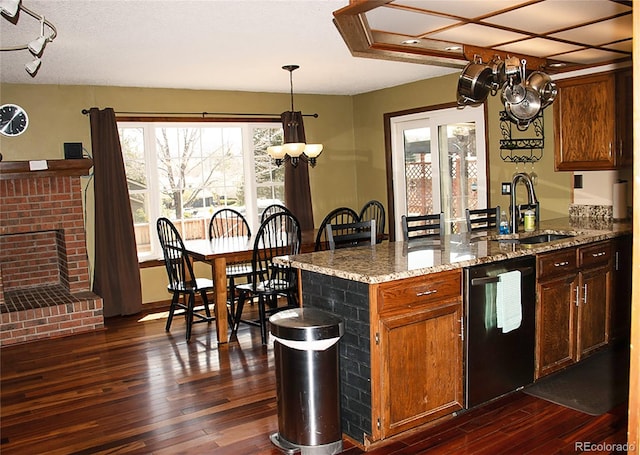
(37, 45)
(9, 7)
(32, 67)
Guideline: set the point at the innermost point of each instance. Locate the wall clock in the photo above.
(13, 120)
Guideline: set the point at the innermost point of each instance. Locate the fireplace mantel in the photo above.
(11, 170)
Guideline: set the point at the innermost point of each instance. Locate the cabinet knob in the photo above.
(560, 264)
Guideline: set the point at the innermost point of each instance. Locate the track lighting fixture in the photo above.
(37, 45)
(32, 67)
(9, 8)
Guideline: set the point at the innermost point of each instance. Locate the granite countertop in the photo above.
(390, 261)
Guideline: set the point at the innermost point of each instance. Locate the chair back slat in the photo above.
(228, 222)
(483, 219)
(341, 215)
(422, 226)
(273, 209)
(177, 263)
(279, 235)
(352, 234)
(374, 210)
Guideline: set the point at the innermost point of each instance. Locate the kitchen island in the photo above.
(402, 353)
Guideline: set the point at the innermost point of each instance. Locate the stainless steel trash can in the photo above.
(307, 381)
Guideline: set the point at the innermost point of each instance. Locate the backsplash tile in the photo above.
(604, 212)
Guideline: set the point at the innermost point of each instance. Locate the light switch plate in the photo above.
(506, 187)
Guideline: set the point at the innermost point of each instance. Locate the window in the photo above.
(187, 171)
(439, 164)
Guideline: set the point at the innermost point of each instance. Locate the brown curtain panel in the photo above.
(297, 193)
(116, 271)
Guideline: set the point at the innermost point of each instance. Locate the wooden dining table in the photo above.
(219, 252)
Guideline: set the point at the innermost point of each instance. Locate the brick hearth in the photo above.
(44, 272)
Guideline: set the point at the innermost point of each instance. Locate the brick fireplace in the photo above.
(45, 289)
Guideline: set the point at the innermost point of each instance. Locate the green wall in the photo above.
(553, 188)
(350, 171)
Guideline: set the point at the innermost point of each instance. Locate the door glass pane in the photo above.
(418, 171)
(458, 173)
(439, 165)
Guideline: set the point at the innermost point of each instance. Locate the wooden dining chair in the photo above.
(374, 210)
(226, 223)
(182, 280)
(351, 234)
(279, 235)
(422, 226)
(340, 215)
(271, 209)
(483, 219)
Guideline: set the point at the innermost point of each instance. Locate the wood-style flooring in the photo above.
(134, 388)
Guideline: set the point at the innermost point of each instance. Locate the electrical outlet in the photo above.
(506, 187)
(577, 181)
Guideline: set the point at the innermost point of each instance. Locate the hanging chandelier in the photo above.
(294, 147)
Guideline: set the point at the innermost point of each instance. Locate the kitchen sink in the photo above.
(535, 239)
(542, 238)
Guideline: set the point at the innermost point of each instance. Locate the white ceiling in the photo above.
(243, 44)
(198, 44)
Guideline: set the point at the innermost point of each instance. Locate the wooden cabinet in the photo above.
(419, 348)
(621, 288)
(574, 296)
(556, 311)
(624, 117)
(593, 122)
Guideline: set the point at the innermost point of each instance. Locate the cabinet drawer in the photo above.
(556, 263)
(419, 291)
(598, 253)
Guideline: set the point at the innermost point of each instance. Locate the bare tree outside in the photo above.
(187, 171)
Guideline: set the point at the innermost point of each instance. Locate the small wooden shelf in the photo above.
(11, 170)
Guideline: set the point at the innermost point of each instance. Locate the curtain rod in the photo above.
(203, 114)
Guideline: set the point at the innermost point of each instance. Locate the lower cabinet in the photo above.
(621, 287)
(574, 295)
(419, 346)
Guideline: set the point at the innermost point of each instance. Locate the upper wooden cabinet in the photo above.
(592, 122)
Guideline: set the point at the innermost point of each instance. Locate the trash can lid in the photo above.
(306, 324)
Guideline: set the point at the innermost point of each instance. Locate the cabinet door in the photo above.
(593, 310)
(421, 366)
(624, 118)
(584, 123)
(621, 289)
(555, 324)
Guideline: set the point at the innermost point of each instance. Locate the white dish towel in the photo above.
(508, 302)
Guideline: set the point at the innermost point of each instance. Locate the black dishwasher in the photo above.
(499, 359)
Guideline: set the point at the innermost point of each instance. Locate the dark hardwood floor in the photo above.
(133, 388)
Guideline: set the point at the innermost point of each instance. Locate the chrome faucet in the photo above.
(524, 177)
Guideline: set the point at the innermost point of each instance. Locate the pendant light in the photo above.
(294, 147)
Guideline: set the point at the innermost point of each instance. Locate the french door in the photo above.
(439, 164)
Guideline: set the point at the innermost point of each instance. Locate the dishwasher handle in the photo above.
(494, 279)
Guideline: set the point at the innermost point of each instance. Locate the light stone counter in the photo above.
(390, 261)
